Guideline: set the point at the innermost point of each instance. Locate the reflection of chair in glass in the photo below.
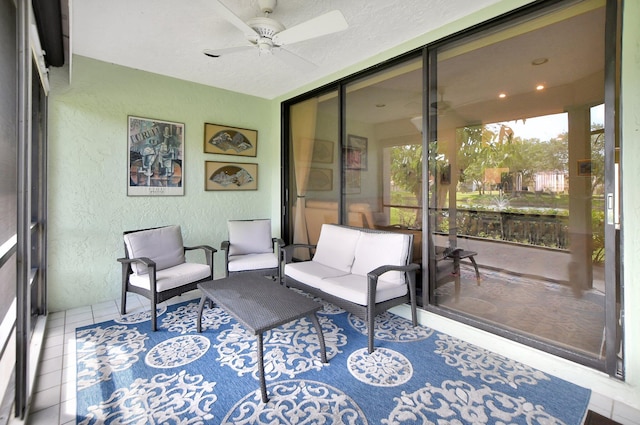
(447, 263)
(457, 254)
(250, 248)
(155, 266)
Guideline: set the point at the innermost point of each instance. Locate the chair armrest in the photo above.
(373, 275)
(224, 245)
(151, 270)
(287, 250)
(450, 253)
(277, 241)
(144, 260)
(376, 273)
(208, 253)
(205, 247)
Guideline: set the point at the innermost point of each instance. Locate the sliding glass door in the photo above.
(493, 149)
(517, 178)
(23, 172)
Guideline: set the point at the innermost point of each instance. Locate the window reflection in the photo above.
(516, 179)
(499, 174)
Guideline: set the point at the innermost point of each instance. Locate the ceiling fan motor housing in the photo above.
(266, 29)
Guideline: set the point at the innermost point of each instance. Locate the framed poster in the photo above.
(156, 157)
(225, 140)
(355, 153)
(230, 176)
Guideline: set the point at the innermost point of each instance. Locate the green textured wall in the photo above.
(88, 203)
(630, 132)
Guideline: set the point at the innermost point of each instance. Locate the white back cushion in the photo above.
(379, 249)
(336, 247)
(163, 245)
(249, 236)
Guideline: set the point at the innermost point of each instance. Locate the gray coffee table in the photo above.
(260, 304)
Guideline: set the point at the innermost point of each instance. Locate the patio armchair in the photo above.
(251, 248)
(155, 266)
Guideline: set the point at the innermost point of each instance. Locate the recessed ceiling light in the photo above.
(539, 61)
(502, 95)
(540, 87)
(380, 105)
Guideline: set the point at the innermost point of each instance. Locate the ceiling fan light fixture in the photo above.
(264, 46)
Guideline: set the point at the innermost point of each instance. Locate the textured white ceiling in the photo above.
(168, 36)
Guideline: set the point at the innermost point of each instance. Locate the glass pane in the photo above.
(516, 178)
(383, 151)
(314, 170)
(8, 158)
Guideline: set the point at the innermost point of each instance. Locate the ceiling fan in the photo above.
(268, 35)
(441, 106)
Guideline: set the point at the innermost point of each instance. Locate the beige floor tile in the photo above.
(47, 416)
(48, 380)
(50, 365)
(45, 399)
(626, 415)
(68, 411)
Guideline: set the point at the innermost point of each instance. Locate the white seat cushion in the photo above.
(163, 245)
(249, 236)
(252, 262)
(336, 247)
(311, 273)
(379, 249)
(353, 288)
(172, 277)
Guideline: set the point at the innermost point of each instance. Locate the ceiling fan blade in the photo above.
(293, 60)
(214, 53)
(235, 20)
(321, 25)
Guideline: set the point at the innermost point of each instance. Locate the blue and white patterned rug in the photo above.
(128, 374)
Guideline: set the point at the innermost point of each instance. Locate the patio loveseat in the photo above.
(363, 271)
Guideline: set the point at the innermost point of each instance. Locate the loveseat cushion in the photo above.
(354, 288)
(379, 249)
(172, 277)
(336, 247)
(249, 236)
(162, 245)
(311, 273)
(267, 260)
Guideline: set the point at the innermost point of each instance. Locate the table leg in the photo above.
(323, 348)
(263, 385)
(475, 266)
(203, 299)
